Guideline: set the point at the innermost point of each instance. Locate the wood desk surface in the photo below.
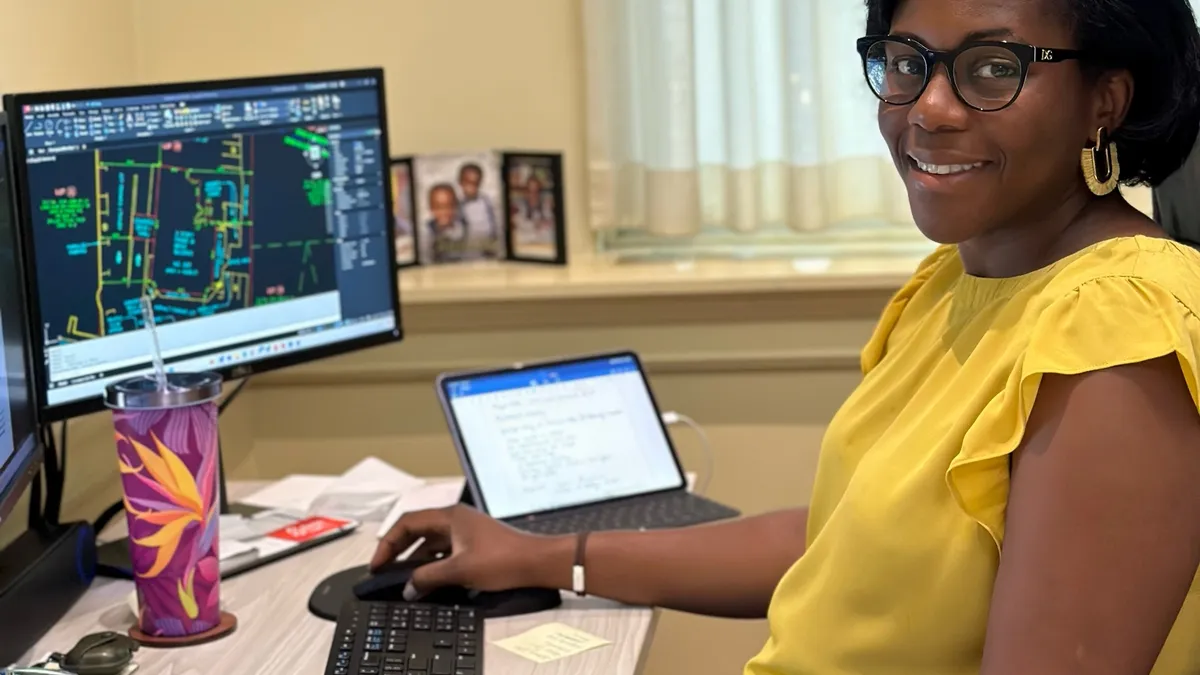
(277, 635)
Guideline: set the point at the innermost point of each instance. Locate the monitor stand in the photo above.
(112, 558)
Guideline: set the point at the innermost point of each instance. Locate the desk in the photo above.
(277, 635)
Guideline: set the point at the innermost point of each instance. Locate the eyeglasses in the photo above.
(986, 76)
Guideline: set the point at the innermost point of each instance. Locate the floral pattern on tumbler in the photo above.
(168, 460)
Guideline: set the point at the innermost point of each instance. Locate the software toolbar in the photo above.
(71, 127)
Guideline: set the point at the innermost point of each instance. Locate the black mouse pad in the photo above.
(334, 591)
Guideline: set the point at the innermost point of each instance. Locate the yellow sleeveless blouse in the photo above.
(907, 513)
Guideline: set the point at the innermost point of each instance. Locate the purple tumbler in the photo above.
(167, 452)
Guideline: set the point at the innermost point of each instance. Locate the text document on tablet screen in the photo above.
(560, 436)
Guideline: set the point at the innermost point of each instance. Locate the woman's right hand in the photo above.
(484, 554)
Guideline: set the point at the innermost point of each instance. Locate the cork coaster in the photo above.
(227, 625)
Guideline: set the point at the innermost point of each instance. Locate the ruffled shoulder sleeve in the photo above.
(876, 347)
(1103, 323)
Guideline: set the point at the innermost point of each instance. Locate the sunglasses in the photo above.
(985, 75)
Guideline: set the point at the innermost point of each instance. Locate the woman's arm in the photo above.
(725, 569)
(1103, 525)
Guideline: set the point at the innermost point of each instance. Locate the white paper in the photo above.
(293, 493)
(232, 548)
(234, 527)
(431, 496)
(365, 492)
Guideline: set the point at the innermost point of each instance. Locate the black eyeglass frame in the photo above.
(1025, 54)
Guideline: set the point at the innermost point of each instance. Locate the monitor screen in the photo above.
(550, 437)
(18, 423)
(255, 214)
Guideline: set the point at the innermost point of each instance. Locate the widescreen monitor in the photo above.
(19, 449)
(255, 213)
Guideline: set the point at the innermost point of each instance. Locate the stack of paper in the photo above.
(294, 494)
(365, 492)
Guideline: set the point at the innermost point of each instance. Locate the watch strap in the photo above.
(578, 574)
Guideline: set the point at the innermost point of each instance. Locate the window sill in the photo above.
(600, 278)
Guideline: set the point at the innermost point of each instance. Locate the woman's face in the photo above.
(1025, 157)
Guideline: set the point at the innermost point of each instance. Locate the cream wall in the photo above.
(65, 44)
(461, 74)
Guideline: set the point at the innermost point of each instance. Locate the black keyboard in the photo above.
(406, 638)
(656, 512)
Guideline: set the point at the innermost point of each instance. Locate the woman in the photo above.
(1032, 389)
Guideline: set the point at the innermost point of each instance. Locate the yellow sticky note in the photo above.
(551, 642)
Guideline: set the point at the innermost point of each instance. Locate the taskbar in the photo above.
(229, 356)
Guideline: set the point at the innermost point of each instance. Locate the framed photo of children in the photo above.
(534, 217)
(402, 211)
(458, 206)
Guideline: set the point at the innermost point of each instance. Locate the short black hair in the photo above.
(1159, 43)
(443, 187)
(470, 166)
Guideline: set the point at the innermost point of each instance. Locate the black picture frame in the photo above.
(554, 253)
(404, 201)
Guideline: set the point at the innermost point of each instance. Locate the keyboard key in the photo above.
(441, 664)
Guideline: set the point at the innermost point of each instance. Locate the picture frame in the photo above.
(535, 225)
(459, 208)
(400, 171)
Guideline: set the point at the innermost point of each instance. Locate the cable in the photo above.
(36, 520)
(54, 477)
(62, 442)
(106, 517)
(221, 485)
(670, 418)
(228, 400)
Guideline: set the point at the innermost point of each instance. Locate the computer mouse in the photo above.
(387, 585)
(100, 654)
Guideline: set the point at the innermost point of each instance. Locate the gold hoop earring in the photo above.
(1101, 169)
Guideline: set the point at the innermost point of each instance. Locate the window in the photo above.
(737, 129)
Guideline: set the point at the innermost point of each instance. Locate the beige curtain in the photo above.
(733, 113)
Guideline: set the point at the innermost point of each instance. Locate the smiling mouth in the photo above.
(944, 169)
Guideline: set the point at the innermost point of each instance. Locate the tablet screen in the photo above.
(562, 435)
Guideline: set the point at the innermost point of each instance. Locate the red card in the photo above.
(308, 529)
